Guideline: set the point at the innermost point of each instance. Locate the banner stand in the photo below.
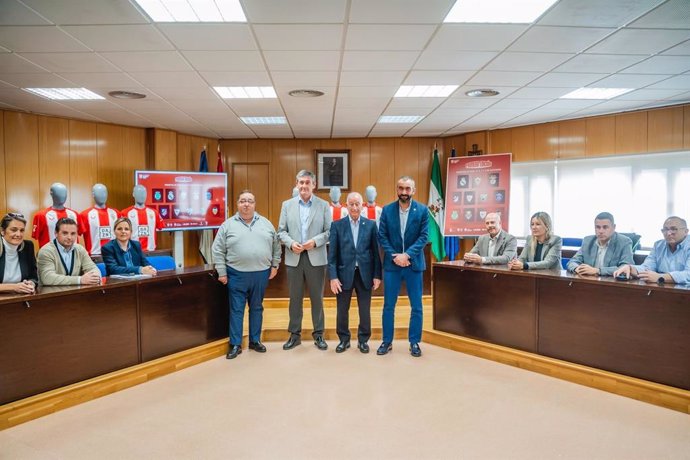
(178, 249)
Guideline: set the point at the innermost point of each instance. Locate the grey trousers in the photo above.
(315, 278)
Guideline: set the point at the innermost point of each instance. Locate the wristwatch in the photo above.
(660, 280)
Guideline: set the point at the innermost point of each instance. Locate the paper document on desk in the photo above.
(129, 277)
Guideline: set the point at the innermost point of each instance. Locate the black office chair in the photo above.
(635, 240)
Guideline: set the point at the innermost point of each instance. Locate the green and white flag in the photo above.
(436, 210)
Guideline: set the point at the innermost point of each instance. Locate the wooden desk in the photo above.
(631, 328)
(63, 335)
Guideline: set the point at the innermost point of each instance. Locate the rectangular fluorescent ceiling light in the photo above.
(426, 91)
(399, 118)
(498, 11)
(193, 10)
(65, 94)
(264, 120)
(246, 92)
(596, 93)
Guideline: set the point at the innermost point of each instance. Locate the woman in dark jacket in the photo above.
(18, 272)
(123, 256)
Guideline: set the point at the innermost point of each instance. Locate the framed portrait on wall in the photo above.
(332, 169)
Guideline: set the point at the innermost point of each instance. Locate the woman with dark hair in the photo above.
(123, 256)
(543, 249)
(18, 272)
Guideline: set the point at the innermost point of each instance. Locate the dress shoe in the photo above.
(342, 346)
(363, 347)
(415, 350)
(320, 343)
(292, 342)
(257, 346)
(384, 348)
(233, 351)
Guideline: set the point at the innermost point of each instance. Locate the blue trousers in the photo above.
(392, 280)
(246, 287)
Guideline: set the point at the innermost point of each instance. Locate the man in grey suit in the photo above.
(496, 247)
(604, 252)
(304, 228)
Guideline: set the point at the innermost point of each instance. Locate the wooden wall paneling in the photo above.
(359, 166)
(283, 170)
(631, 133)
(53, 157)
(305, 159)
(479, 138)
(3, 198)
(258, 182)
(500, 141)
(165, 150)
(184, 147)
(571, 135)
(407, 161)
(239, 182)
(545, 143)
(21, 163)
(522, 143)
(601, 136)
(686, 127)
(110, 163)
(382, 169)
(665, 129)
(134, 158)
(449, 143)
(425, 154)
(83, 161)
(234, 151)
(259, 151)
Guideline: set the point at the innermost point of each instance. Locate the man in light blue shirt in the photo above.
(669, 261)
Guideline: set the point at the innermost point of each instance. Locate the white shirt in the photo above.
(13, 274)
(601, 253)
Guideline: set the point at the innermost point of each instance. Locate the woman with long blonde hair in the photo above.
(543, 249)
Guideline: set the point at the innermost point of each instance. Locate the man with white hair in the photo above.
(496, 247)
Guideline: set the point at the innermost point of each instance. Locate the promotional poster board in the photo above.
(476, 186)
(186, 200)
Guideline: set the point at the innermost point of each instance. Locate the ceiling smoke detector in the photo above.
(126, 95)
(305, 93)
(482, 93)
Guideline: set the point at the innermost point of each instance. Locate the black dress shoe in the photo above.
(257, 346)
(384, 348)
(233, 351)
(342, 346)
(363, 347)
(320, 343)
(292, 342)
(415, 350)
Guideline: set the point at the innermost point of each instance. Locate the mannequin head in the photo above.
(100, 195)
(335, 194)
(295, 192)
(370, 192)
(139, 194)
(58, 192)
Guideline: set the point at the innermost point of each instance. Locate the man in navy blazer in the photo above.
(403, 233)
(353, 263)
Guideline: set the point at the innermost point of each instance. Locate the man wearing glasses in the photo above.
(246, 254)
(669, 260)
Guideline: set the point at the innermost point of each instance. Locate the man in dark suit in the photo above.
(353, 263)
(403, 233)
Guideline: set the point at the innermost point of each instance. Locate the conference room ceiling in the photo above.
(357, 52)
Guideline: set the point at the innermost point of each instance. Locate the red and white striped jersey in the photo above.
(96, 224)
(338, 211)
(44, 223)
(145, 222)
(372, 212)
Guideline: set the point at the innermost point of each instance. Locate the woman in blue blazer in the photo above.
(123, 256)
(18, 272)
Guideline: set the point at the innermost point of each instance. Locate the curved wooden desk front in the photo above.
(631, 328)
(63, 335)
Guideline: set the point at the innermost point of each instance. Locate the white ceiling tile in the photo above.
(564, 80)
(16, 13)
(149, 61)
(38, 39)
(683, 97)
(628, 81)
(640, 41)
(475, 37)
(299, 37)
(367, 91)
(302, 60)
(454, 116)
(168, 79)
(650, 94)
(306, 109)
(305, 79)
(120, 37)
(201, 94)
(407, 111)
(672, 14)
(399, 11)
(14, 63)
(527, 61)
(379, 60)
(570, 104)
(209, 37)
(661, 65)
(35, 80)
(594, 13)
(88, 11)
(465, 102)
(503, 91)
(426, 103)
(679, 50)
(295, 11)
(256, 107)
(677, 82)
(438, 77)
(100, 80)
(349, 132)
(373, 103)
(536, 116)
(559, 39)
(224, 61)
(237, 78)
(453, 60)
(71, 62)
(387, 37)
(493, 77)
(517, 103)
(599, 63)
(540, 92)
(371, 78)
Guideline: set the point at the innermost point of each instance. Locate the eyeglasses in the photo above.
(16, 214)
(671, 229)
(246, 201)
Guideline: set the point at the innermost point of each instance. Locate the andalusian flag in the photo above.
(436, 210)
